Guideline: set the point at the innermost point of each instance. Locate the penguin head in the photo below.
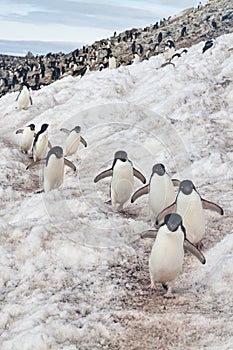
(77, 129)
(121, 155)
(173, 221)
(158, 169)
(32, 127)
(25, 86)
(170, 44)
(186, 187)
(57, 151)
(44, 127)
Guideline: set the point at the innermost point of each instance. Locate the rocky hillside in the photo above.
(185, 29)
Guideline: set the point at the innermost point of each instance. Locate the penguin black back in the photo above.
(43, 129)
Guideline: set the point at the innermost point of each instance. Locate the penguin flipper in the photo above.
(69, 164)
(176, 182)
(103, 174)
(41, 161)
(176, 55)
(149, 234)
(30, 98)
(65, 130)
(19, 131)
(18, 96)
(164, 212)
(166, 63)
(139, 175)
(84, 142)
(192, 249)
(210, 205)
(140, 192)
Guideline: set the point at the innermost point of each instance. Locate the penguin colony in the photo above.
(203, 23)
(175, 206)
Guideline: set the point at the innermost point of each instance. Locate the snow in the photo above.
(73, 273)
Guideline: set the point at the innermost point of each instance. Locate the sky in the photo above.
(63, 25)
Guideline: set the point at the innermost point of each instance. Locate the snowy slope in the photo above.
(73, 273)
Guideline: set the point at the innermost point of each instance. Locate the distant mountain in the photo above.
(20, 48)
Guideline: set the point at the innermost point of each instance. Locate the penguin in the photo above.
(169, 50)
(73, 140)
(122, 172)
(214, 24)
(136, 59)
(84, 70)
(28, 134)
(189, 204)
(40, 143)
(133, 47)
(54, 168)
(183, 31)
(160, 189)
(111, 62)
(139, 49)
(208, 45)
(24, 98)
(167, 253)
(160, 37)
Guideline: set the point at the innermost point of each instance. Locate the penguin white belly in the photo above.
(169, 53)
(40, 149)
(23, 100)
(72, 143)
(53, 173)
(167, 256)
(27, 138)
(122, 183)
(190, 208)
(112, 63)
(161, 194)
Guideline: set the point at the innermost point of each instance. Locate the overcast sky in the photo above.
(68, 24)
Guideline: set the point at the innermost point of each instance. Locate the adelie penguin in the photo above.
(169, 50)
(73, 140)
(24, 98)
(112, 62)
(40, 143)
(167, 254)
(122, 172)
(189, 204)
(160, 189)
(54, 168)
(28, 134)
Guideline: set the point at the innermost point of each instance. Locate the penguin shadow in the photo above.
(18, 184)
(127, 213)
(31, 186)
(180, 296)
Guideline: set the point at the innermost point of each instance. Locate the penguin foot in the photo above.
(127, 214)
(39, 191)
(109, 202)
(169, 294)
(151, 286)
